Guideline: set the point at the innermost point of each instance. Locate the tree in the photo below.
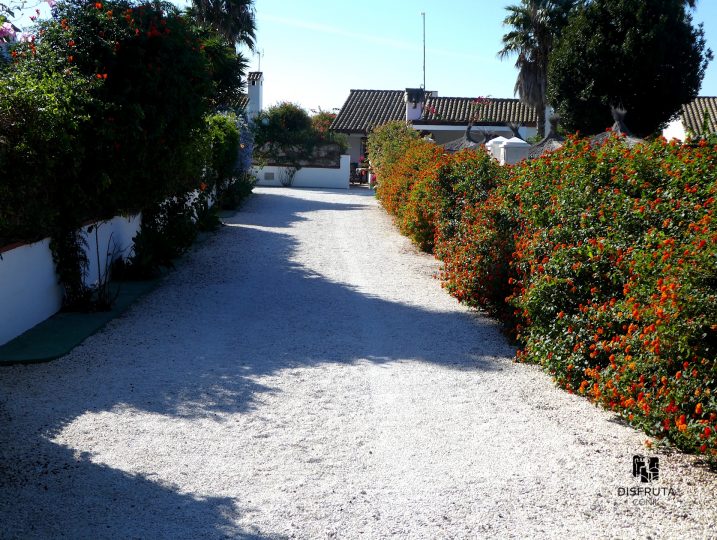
(284, 123)
(645, 57)
(535, 25)
(233, 19)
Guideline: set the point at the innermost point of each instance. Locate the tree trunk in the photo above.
(540, 110)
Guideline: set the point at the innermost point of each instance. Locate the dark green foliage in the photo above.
(227, 171)
(232, 19)
(387, 143)
(285, 123)
(168, 230)
(104, 113)
(232, 196)
(68, 251)
(39, 128)
(149, 108)
(223, 136)
(227, 68)
(286, 134)
(643, 56)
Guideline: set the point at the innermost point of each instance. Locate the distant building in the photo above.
(691, 118)
(444, 119)
(255, 90)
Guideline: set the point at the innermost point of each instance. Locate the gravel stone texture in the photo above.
(303, 375)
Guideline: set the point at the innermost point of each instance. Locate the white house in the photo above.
(691, 118)
(444, 118)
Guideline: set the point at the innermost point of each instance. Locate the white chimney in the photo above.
(255, 82)
(415, 99)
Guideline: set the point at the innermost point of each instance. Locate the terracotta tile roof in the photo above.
(365, 109)
(693, 114)
(243, 102)
(254, 76)
(496, 111)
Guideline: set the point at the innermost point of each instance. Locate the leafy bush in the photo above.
(285, 124)
(227, 171)
(40, 133)
(102, 112)
(231, 197)
(117, 92)
(168, 230)
(617, 280)
(408, 188)
(603, 260)
(474, 235)
(286, 135)
(386, 144)
(321, 123)
(223, 135)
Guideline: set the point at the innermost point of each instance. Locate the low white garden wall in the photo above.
(309, 177)
(29, 289)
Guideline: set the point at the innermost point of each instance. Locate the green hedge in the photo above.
(601, 261)
(108, 110)
(105, 112)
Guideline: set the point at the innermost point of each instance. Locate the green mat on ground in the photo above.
(62, 332)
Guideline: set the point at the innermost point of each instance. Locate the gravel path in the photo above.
(302, 374)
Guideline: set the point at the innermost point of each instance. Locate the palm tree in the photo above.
(232, 19)
(535, 25)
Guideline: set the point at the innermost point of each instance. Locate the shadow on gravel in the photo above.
(48, 492)
(245, 311)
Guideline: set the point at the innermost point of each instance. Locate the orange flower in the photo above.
(698, 408)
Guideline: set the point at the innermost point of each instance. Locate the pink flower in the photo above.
(7, 30)
(51, 3)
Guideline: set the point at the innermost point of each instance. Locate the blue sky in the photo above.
(315, 51)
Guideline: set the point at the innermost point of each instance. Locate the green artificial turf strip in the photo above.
(62, 332)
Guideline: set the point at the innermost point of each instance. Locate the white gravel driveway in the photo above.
(303, 375)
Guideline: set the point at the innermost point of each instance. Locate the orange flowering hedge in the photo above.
(615, 268)
(603, 261)
(427, 190)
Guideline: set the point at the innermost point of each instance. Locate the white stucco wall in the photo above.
(113, 236)
(354, 150)
(29, 292)
(309, 177)
(29, 289)
(675, 130)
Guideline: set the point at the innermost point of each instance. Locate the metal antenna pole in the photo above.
(423, 15)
